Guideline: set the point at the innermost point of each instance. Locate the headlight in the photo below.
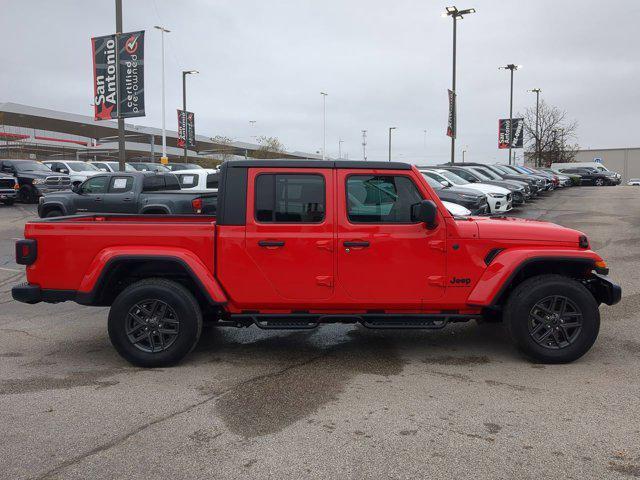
(38, 181)
(496, 195)
(469, 198)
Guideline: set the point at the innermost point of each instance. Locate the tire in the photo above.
(9, 202)
(598, 182)
(54, 213)
(27, 194)
(181, 315)
(564, 341)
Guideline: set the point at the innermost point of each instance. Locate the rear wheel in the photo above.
(155, 323)
(599, 182)
(552, 318)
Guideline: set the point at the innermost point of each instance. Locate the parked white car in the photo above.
(111, 166)
(198, 179)
(456, 210)
(77, 170)
(634, 181)
(499, 198)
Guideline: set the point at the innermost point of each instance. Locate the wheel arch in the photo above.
(496, 284)
(47, 207)
(119, 271)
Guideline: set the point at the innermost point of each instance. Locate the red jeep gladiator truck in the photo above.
(299, 243)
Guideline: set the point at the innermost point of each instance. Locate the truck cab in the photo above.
(296, 244)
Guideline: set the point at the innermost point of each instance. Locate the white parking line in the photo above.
(10, 270)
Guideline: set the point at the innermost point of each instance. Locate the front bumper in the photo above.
(7, 194)
(604, 289)
(43, 188)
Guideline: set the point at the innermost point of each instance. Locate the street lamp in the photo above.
(537, 92)
(511, 67)
(455, 14)
(364, 145)
(390, 128)
(184, 107)
(324, 124)
(164, 132)
(340, 142)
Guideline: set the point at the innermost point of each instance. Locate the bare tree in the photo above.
(269, 147)
(556, 139)
(223, 151)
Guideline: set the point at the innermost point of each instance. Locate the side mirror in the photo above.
(63, 170)
(425, 212)
(445, 183)
(76, 189)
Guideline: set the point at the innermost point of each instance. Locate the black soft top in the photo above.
(278, 163)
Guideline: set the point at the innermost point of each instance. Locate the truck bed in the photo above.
(83, 241)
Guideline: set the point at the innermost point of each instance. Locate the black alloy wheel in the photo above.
(555, 322)
(152, 326)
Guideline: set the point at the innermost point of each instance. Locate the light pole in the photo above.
(455, 14)
(537, 92)
(390, 128)
(512, 68)
(122, 155)
(184, 108)
(364, 145)
(340, 142)
(324, 125)
(164, 132)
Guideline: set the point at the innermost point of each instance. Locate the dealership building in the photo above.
(42, 134)
(625, 161)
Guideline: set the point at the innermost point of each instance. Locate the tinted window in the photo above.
(468, 176)
(153, 183)
(381, 198)
(290, 198)
(120, 184)
(212, 180)
(171, 182)
(95, 185)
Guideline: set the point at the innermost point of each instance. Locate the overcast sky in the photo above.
(383, 63)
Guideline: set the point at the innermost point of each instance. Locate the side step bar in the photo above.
(308, 321)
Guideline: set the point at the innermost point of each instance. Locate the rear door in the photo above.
(119, 197)
(290, 233)
(384, 256)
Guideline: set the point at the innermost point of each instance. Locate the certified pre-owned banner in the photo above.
(186, 129)
(504, 128)
(131, 73)
(113, 85)
(105, 88)
(451, 124)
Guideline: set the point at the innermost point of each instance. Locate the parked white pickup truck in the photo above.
(200, 179)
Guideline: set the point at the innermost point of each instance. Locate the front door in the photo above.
(384, 256)
(92, 193)
(290, 234)
(119, 197)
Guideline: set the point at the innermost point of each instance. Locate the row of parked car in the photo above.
(478, 188)
(28, 180)
(66, 187)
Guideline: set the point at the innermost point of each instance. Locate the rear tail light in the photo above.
(16, 186)
(196, 203)
(26, 251)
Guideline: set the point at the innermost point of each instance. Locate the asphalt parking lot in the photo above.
(338, 402)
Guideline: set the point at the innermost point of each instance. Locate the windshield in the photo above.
(480, 174)
(453, 178)
(432, 183)
(31, 166)
(82, 167)
(487, 172)
(115, 166)
(501, 169)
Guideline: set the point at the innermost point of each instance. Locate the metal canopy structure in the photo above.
(140, 140)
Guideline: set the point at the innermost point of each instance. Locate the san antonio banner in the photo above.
(186, 129)
(124, 85)
(503, 133)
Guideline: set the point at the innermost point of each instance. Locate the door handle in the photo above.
(127, 199)
(270, 243)
(98, 199)
(354, 244)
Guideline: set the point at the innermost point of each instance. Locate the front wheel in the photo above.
(599, 182)
(27, 194)
(155, 323)
(552, 318)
